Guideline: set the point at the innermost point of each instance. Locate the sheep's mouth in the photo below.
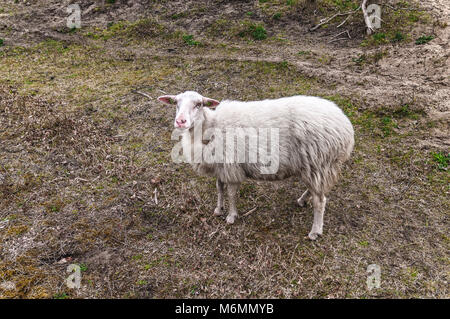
(183, 128)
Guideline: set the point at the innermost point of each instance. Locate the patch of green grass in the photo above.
(424, 39)
(360, 60)
(83, 267)
(387, 124)
(382, 122)
(379, 37)
(398, 37)
(304, 53)
(400, 112)
(73, 30)
(255, 31)
(54, 209)
(113, 29)
(441, 160)
(2, 42)
(412, 273)
(364, 243)
(405, 111)
(258, 32)
(277, 16)
(369, 58)
(179, 15)
(60, 296)
(413, 17)
(189, 40)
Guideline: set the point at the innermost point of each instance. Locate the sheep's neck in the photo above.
(192, 139)
(205, 121)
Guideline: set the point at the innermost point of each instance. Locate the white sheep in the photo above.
(313, 138)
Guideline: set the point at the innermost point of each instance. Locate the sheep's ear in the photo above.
(168, 99)
(210, 102)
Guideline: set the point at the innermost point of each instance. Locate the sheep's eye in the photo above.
(198, 105)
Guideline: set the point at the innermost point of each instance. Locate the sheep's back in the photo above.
(306, 118)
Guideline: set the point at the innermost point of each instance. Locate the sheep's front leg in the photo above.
(318, 202)
(232, 189)
(219, 209)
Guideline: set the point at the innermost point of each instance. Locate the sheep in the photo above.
(313, 139)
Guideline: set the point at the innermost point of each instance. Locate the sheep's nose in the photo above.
(180, 122)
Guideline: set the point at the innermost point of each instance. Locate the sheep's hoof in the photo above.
(231, 219)
(314, 236)
(218, 211)
(301, 202)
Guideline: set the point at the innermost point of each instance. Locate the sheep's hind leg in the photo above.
(318, 202)
(232, 189)
(219, 209)
(304, 198)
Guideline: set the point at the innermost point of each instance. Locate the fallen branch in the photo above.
(343, 22)
(156, 196)
(143, 94)
(333, 39)
(325, 21)
(249, 212)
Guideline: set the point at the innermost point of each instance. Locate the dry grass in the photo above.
(82, 156)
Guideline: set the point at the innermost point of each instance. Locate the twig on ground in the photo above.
(293, 253)
(214, 232)
(333, 39)
(249, 212)
(343, 22)
(143, 94)
(324, 21)
(346, 31)
(156, 195)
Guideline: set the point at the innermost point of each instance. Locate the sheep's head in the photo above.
(189, 105)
